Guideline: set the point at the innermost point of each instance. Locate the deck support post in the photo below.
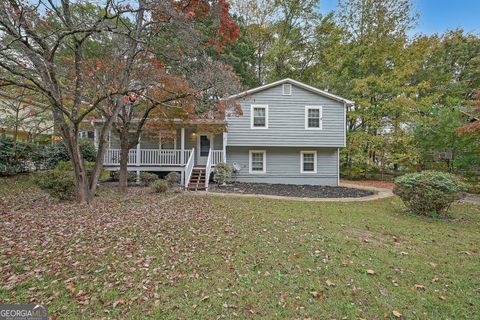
(182, 146)
(138, 155)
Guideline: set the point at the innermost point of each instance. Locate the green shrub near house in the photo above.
(223, 173)
(59, 182)
(160, 186)
(429, 193)
(172, 178)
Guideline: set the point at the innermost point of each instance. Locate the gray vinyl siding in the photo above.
(283, 165)
(286, 120)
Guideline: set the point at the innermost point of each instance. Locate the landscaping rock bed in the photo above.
(301, 191)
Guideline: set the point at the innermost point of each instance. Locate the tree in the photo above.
(44, 48)
(189, 81)
(473, 114)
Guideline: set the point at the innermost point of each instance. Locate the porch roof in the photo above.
(180, 121)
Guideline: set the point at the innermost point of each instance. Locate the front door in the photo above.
(203, 148)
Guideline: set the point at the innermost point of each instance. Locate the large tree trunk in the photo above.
(123, 173)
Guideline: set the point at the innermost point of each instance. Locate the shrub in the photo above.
(161, 186)
(172, 178)
(223, 173)
(131, 176)
(53, 154)
(428, 193)
(59, 183)
(147, 178)
(19, 157)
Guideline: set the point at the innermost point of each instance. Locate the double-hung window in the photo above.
(258, 161)
(308, 161)
(313, 117)
(259, 117)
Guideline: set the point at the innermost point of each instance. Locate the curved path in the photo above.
(380, 193)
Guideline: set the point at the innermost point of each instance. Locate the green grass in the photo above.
(202, 257)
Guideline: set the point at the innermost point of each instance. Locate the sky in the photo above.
(436, 16)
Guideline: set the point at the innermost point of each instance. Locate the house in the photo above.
(289, 133)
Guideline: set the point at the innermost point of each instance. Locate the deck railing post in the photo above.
(182, 146)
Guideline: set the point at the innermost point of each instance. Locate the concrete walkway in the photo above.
(380, 193)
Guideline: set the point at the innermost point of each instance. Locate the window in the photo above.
(259, 117)
(287, 89)
(313, 118)
(308, 161)
(258, 161)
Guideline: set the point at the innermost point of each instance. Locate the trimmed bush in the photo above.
(428, 193)
(161, 186)
(172, 178)
(59, 182)
(223, 173)
(147, 178)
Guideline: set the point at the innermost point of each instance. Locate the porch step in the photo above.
(197, 180)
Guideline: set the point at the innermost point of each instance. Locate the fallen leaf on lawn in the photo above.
(330, 283)
(283, 298)
(442, 297)
(370, 272)
(70, 287)
(396, 314)
(432, 264)
(116, 303)
(419, 287)
(316, 295)
(434, 279)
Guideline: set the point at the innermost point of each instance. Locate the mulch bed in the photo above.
(301, 191)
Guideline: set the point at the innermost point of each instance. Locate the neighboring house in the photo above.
(289, 133)
(23, 118)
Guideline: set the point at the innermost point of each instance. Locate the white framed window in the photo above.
(308, 161)
(313, 117)
(257, 161)
(259, 117)
(287, 89)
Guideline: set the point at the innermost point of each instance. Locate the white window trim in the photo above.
(314, 161)
(250, 161)
(306, 117)
(266, 115)
(283, 89)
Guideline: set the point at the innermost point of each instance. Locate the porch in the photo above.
(193, 154)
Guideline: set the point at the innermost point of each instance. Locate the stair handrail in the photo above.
(208, 169)
(189, 167)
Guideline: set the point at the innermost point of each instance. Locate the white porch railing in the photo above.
(208, 168)
(189, 167)
(148, 157)
(217, 156)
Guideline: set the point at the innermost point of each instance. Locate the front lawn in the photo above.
(203, 257)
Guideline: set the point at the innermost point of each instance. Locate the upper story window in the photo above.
(259, 117)
(287, 89)
(308, 161)
(258, 161)
(313, 117)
